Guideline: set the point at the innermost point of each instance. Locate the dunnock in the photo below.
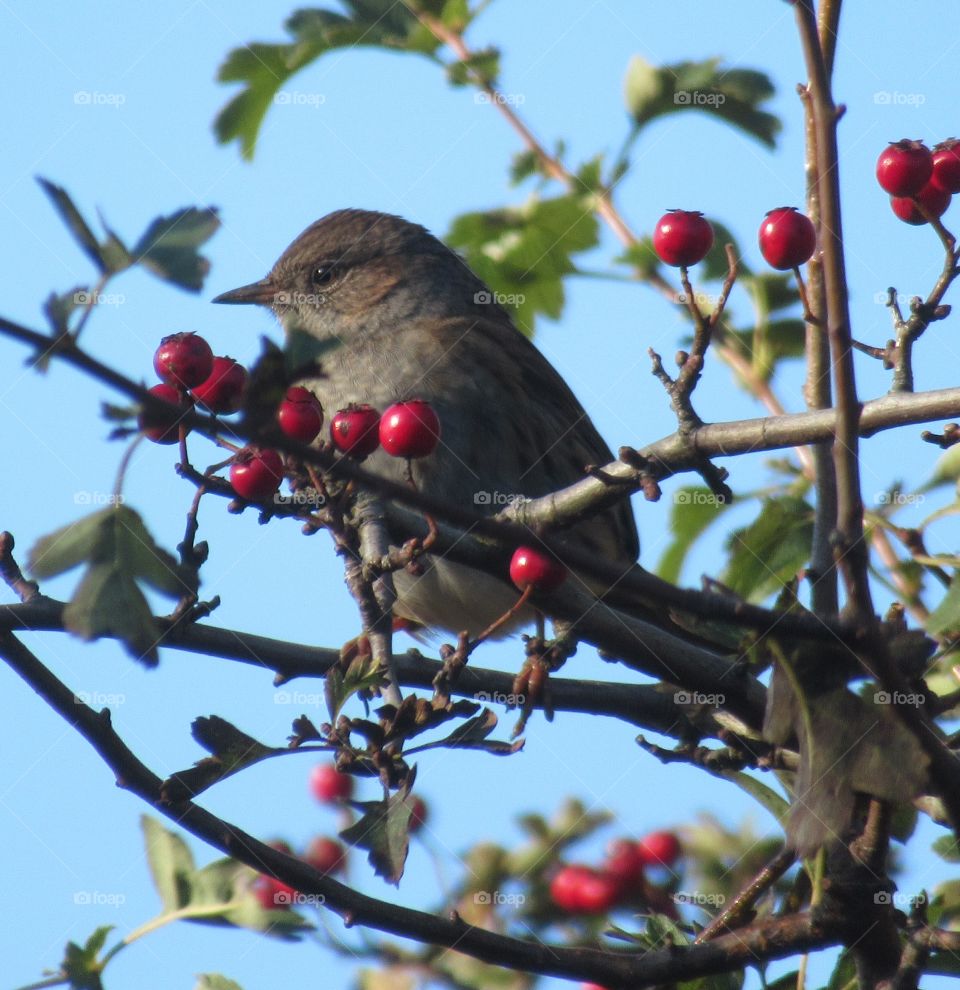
(411, 320)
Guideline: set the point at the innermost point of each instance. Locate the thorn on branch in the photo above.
(26, 591)
(950, 436)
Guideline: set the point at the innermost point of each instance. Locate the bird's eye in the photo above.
(323, 274)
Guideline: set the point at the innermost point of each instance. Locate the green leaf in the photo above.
(483, 67)
(946, 616)
(946, 848)
(733, 95)
(169, 245)
(119, 552)
(171, 863)
(384, 830)
(215, 981)
(391, 978)
(75, 224)
(947, 469)
(524, 253)
(763, 795)
(523, 165)
(694, 509)
(473, 735)
(80, 965)
(642, 257)
(844, 974)
(264, 69)
(363, 674)
(770, 551)
(231, 749)
(715, 266)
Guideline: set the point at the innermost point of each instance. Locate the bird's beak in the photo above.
(262, 293)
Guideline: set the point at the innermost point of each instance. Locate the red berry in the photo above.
(410, 429)
(418, 813)
(256, 473)
(659, 849)
(183, 359)
(325, 855)
(787, 238)
(904, 167)
(579, 889)
(329, 785)
(272, 894)
(934, 199)
(354, 430)
(300, 414)
(223, 390)
(591, 986)
(536, 568)
(625, 864)
(946, 165)
(163, 427)
(682, 238)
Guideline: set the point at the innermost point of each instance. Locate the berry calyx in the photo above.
(682, 238)
(946, 165)
(328, 785)
(183, 359)
(163, 427)
(934, 199)
(787, 238)
(256, 473)
(325, 855)
(534, 568)
(659, 849)
(300, 414)
(222, 391)
(410, 429)
(355, 430)
(904, 167)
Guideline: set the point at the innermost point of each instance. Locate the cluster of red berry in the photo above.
(329, 786)
(323, 854)
(621, 877)
(919, 180)
(190, 373)
(684, 237)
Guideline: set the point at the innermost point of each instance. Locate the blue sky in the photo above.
(117, 107)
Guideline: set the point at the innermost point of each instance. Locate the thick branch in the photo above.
(769, 939)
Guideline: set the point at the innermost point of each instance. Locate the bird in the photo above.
(405, 317)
